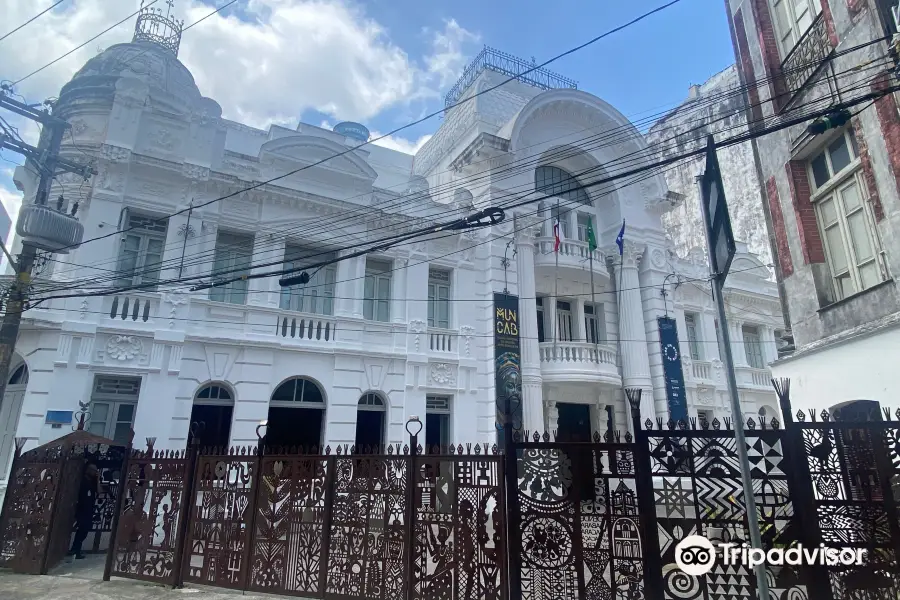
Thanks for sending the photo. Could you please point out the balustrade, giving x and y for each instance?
(137, 309)
(576, 352)
(306, 327)
(702, 370)
(441, 340)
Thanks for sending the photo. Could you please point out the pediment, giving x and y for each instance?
(307, 150)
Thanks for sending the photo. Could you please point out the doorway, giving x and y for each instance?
(574, 423)
(296, 414)
(10, 409)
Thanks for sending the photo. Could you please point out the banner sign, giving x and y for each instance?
(671, 358)
(507, 360)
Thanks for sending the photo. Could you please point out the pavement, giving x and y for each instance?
(83, 580)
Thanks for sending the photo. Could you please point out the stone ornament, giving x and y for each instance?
(123, 347)
(657, 258)
(466, 332)
(705, 396)
(442, 374)
(417, 326)
(195, 172)
(115, 154)
(175, 298)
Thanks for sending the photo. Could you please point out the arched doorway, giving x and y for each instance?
(370, 423)
(10, 409)
(296, 414)
(214, 407)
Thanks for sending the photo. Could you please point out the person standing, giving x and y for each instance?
(84, 511)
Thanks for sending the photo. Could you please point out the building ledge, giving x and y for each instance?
(861, 332)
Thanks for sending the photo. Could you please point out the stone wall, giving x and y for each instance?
(715, 107)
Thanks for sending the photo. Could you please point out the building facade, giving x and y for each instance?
(371, 340)
(718, 107)
(831, 199)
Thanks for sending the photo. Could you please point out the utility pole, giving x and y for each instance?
(40, 226)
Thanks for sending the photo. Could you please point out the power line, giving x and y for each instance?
(195, 259)
(668, 161)
(453, 184)
(408, 125)
(110, 28)
(46, 10)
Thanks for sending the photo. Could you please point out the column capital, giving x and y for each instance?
(632, 254)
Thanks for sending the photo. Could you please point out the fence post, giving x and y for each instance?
(411, 506)
(54, 508)
(120, 499)
(511, 493)
(190, 478)
(330, 476)
(253, 501)
(800, 486)
(643, 479)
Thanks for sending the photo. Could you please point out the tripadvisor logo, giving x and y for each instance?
(696, 555)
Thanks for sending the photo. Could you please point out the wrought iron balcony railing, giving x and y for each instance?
(806, 57)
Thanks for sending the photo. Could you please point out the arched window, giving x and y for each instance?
(370, 415)
(19, 376)
(553, 181)
(296, 414)
(214, 408)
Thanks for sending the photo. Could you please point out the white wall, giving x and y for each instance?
(861, 369)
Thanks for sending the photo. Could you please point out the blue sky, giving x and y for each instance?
(383, 63)
(647, 66)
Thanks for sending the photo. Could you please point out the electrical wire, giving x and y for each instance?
(107, 292)
(46, 10)
(629, 126)
(681, 134)
(413, 123)
(110, 28)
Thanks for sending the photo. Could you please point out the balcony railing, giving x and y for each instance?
(131, 308)
(570, 251)
(806, 57)
(441, 340)
(577, 352)
(702, 370)
(306, 327)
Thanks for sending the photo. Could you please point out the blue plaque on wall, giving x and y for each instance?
(671, 359)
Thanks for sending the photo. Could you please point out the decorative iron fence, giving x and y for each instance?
(593, 520)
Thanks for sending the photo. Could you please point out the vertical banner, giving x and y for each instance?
(671, 359)
(507, 360)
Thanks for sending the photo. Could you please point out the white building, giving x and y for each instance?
(371, 340)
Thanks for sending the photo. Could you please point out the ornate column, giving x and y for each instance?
(737, 343)
(345, 287)
(398, 291)
(580, 330)
(532, 383)
(632, 332)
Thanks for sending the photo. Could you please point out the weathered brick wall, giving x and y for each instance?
(781, 240)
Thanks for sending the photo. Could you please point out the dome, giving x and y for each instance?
(149, 62)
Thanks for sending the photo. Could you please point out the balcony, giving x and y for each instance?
(572, 254)
(702, 370)
(749, 377)
(578, 361)
(806, 58)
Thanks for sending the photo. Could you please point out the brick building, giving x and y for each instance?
(831, 200)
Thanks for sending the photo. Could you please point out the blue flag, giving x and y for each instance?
(620, 239)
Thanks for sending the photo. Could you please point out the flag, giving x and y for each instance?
(620, 239)
(557, 235)
(591, 240)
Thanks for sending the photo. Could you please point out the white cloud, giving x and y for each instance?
(401, 144)
(449, 56)
(284, 57)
